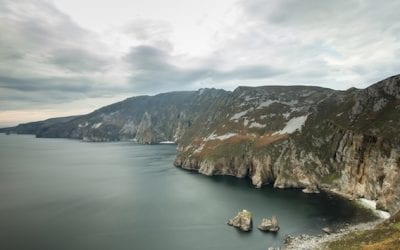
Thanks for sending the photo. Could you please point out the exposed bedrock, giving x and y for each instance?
(357, 166)
(242, 221)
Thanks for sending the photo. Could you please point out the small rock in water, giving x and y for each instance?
(243, 221)
(327, 230)
(269, 225)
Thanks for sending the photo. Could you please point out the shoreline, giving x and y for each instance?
(305, 241)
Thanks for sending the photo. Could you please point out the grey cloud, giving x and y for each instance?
(46, 57)
(41, 22)
(298, 12)
(31, 92)
(14, 100)
(324, 14)
(148, 58)
(77, 60)
(336, 42)
(153, 69)
(46, 84)
(38, 30)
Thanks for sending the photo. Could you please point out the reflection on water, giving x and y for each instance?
(66, 194)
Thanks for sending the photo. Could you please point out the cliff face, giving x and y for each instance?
(145, 119)
(289, 136)
(310, 138)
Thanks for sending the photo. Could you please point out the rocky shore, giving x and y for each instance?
(331, 238)
(306, 242)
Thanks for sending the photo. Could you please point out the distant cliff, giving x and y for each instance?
(36, 127)
(145, 119)
(289, 136)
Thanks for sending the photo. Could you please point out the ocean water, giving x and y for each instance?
(68, 194)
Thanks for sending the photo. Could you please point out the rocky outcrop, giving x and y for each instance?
(269, 225)
(243, 221)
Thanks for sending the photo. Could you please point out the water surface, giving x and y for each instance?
(67, 194)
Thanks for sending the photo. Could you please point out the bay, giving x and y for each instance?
(68, 194)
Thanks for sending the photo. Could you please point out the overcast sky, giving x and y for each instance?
(66, 57)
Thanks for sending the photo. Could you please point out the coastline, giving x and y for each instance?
(306, 242)
(368, 204)
(320, 241)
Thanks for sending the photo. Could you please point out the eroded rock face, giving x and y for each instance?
(243, 221)
(348, 143)
(145, 119)
(269, 225)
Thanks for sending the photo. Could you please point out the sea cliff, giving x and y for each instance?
(304, 137)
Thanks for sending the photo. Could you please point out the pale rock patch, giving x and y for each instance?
(293, 125)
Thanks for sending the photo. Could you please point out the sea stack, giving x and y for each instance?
(243, 221)
(269, 225)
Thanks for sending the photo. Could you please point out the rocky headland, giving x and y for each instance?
(311, 138)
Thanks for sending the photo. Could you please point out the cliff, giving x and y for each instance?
(36, 127)
(145, 119)
(305, 137)
(290, 136)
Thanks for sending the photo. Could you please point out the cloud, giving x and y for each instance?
(48, 58)
(153, 68)
(148, 29)
(43, 52)
(78, 60)
(47, 84)
(36, 27)
(347, 41)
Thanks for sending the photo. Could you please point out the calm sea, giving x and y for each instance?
(67, 194)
